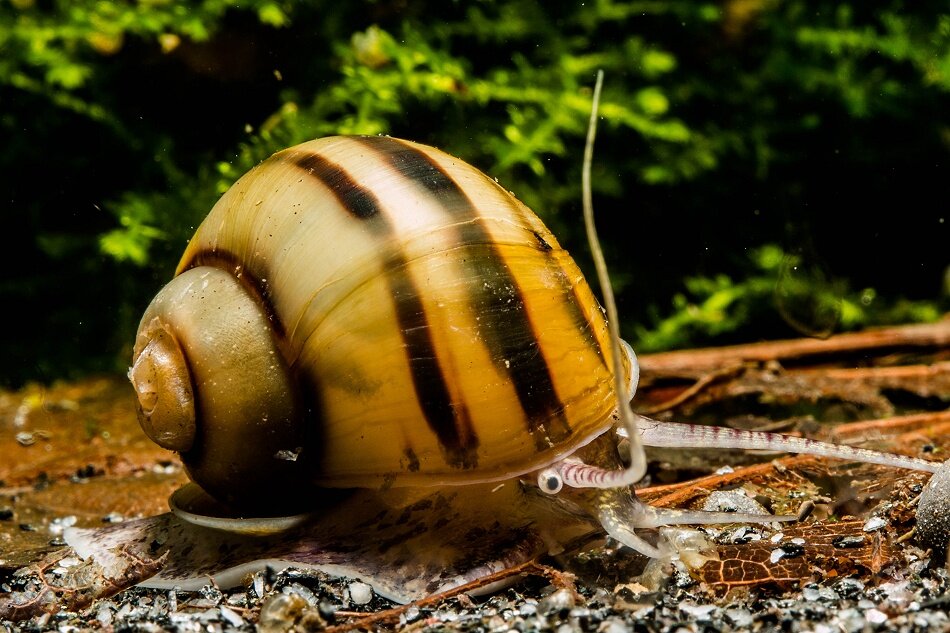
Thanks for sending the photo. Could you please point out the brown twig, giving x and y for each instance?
(698, 362)
(879, 374)
(902, 424)
(675, 495)
(693, 389)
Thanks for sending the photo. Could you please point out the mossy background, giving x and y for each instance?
(784, 164)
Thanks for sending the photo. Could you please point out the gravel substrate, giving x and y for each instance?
(913, 597)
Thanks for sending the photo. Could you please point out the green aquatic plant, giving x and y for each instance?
(724, 126)
(782, 284)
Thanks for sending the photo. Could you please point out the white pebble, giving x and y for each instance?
(777, 555)
(874, 523)
(875, 617)
(360, 592)
(613, 625)
(698, 612)
(740, 618)
(232, 617)
(104, 616)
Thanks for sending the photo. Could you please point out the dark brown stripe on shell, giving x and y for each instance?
(580, 319)
(252, 280)
(449, 421)
(506, 325)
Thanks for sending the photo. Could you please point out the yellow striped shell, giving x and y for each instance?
(371, 312)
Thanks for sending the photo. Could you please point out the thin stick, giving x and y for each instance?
(638, 463)
(698, 361)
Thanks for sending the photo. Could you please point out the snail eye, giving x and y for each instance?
(550, 482)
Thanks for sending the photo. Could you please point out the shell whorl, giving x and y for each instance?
(437, 330)
(205, 341)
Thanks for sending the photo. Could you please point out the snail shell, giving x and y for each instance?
(371, 312)
(933, 514)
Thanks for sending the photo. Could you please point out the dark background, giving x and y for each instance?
(818, 129)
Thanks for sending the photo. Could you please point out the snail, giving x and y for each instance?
(372, 313)
(369, 312)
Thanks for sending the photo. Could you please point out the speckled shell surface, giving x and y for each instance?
(437, 330)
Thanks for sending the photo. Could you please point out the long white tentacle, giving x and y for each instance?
(678, 435)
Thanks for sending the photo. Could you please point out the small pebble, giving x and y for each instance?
(232, 617)
(875, 617)
(6, 513)
(732, 501)
(849, 587)
(560, 600)
(845, 542)
(743, 535)
(698, 612)
(874, 524)
(281, 612)
(360, 592)
(527, 609)
(59, 524)
(739, 618)
(303, 592)
(613, 625)
(104, 616)
(814, 593)
(412, 614)
(793, 549)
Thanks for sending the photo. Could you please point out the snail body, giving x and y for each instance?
(370, 312)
